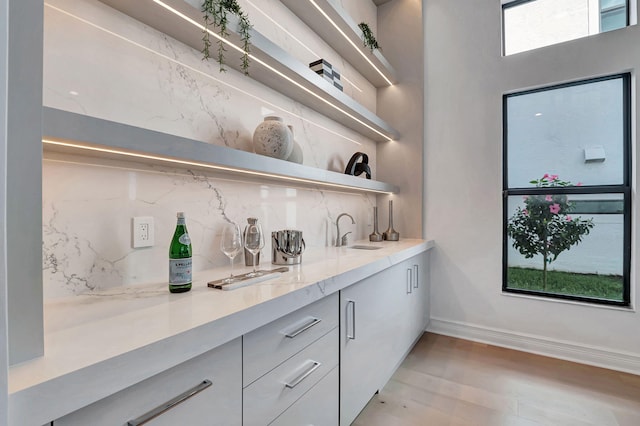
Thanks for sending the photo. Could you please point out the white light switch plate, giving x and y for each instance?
(142, 232)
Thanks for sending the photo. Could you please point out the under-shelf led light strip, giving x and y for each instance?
(297, 40)
(269, 67)
(346, 37)
(204, 165)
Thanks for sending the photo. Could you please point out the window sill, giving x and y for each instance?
(630, 309)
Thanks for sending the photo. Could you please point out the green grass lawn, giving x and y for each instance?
(569, 283)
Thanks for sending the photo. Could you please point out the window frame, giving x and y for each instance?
(624, 189)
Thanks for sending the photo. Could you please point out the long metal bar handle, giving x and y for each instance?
(353, 319)
(305, 327)
(409, 281)
(416, 276)
(161, 409)
(314, 366)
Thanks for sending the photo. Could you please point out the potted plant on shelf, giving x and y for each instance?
(368, 38)
(215, 14)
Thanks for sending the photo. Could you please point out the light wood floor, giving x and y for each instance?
(448, 381)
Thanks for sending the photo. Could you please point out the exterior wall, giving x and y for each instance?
(548, 132)
(550, 21)
(465, 78)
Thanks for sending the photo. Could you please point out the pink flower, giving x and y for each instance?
(569, 218)
(554, 208)
(525, 212)
(579, 184)
(554, 177)
(546, 175)
(548, 198)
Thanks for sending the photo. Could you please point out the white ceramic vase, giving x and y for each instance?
(296, 154)
(273, 139)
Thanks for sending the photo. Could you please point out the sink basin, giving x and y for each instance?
(363, 247)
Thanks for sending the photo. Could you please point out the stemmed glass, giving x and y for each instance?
(253, 242)
(231, 245)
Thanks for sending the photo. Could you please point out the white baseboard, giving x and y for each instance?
(591, 355)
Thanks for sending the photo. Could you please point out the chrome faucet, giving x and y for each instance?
(342, 241)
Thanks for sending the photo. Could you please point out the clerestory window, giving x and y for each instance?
(530, 24)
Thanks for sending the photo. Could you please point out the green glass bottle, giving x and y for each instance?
(180, 258)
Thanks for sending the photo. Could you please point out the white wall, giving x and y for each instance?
(465, 78)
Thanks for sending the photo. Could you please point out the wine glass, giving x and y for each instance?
(254, 242)
(231, 245)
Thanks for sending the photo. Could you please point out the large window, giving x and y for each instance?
(529, 24)
(567, 224)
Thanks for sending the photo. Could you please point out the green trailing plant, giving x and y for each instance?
(544, 226)
(369, 39)
(215, 14)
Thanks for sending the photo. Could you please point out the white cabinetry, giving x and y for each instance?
(217, 375)
(317, 365)
(381, 317)
(279, 389)
(286, 359)
(318, 407)
(270, 345)
(419, 266)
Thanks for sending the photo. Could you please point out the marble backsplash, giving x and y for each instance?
(101, 63)
(88, 205)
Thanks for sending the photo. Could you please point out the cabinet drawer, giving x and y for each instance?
(268, 397)
(218, 404)
(318, 407)
(272, 344)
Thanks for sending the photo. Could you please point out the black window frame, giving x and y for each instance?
(624, 189)
(613, 9)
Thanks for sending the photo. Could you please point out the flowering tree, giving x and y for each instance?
(544, 227)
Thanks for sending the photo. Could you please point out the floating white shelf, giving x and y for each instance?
(321, 15)
(270, 65)
(80, 134)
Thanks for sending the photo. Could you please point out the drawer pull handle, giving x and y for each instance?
(314, 366)
(314, 321)
(161, 409)
(351, 336)
(415, 272)
(409, 281)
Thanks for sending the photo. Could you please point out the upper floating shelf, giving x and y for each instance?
(337, 28)
(270, 64)
(80, 134)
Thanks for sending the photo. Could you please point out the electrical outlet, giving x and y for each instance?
(142, 232)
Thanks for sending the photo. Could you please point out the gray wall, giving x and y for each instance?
(465, 78)
(400, 162)
(4, 353)
(24, 180)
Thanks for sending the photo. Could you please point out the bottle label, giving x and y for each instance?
(180, 271)
(184, 239)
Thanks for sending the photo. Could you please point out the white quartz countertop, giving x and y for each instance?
(100, 343)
